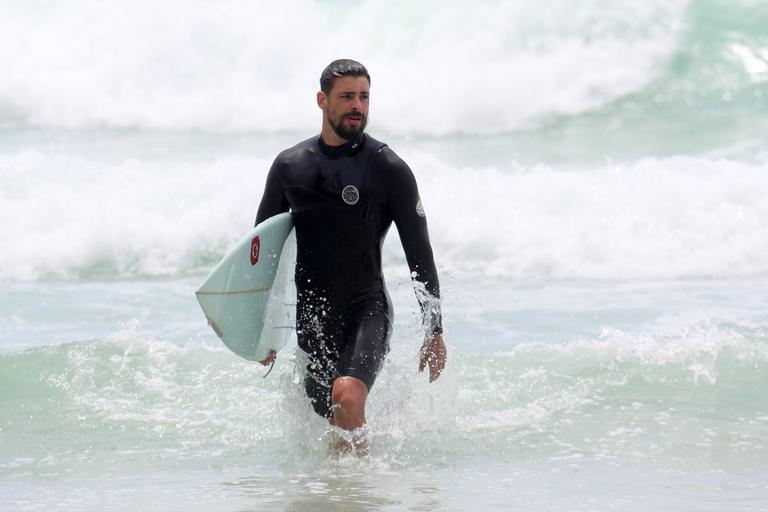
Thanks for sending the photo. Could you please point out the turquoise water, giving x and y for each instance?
(543, 405)
(594, 177)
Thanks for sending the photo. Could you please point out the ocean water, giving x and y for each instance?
(594, 176)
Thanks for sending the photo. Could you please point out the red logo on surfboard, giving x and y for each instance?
(255, 244)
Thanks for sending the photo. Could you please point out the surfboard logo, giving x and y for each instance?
(255, 245)
(350, 195)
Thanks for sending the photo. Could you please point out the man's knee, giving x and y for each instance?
(349, 393)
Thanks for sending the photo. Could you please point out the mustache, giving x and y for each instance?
(357, 115)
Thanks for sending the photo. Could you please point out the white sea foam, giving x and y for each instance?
(655, 218)
(486, 67)
(679, 217)
(66, 215)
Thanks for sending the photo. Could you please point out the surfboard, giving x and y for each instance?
(248, 297)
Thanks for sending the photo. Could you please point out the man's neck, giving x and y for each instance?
(333, 142)
(346, 148)
(330, 138)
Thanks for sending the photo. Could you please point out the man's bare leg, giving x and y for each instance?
(349, 395)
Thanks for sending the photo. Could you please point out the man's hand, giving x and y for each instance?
(270, 358)
(434, 354)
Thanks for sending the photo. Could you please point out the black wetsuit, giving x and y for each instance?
(343, 200)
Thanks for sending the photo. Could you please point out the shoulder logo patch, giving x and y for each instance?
(420, 209)
(350, 194)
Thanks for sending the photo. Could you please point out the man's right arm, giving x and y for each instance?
(273, 201)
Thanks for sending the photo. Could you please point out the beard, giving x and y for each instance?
(349, 132)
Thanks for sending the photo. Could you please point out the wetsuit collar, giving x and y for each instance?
(348, 149)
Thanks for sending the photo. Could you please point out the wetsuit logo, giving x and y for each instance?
(255, 245)
(350, 194)
(420, 209)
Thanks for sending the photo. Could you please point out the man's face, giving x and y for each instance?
(346, 106)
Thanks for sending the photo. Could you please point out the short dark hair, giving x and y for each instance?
(339, 68)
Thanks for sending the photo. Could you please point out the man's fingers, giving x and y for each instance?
(437, 360)
(436, 367)
(434, 355)
(271, 357)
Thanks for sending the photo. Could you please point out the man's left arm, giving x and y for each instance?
(410, 219)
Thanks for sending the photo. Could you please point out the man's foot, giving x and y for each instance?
(355, 443)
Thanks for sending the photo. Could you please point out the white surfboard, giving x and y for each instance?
(249, 296)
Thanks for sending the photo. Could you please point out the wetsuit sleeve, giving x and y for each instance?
(408, 213)
(273, 201)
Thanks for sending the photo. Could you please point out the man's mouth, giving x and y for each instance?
(354, 118)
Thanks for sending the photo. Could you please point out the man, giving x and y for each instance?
(345, 189)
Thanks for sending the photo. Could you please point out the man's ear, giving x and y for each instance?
(322, 99)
